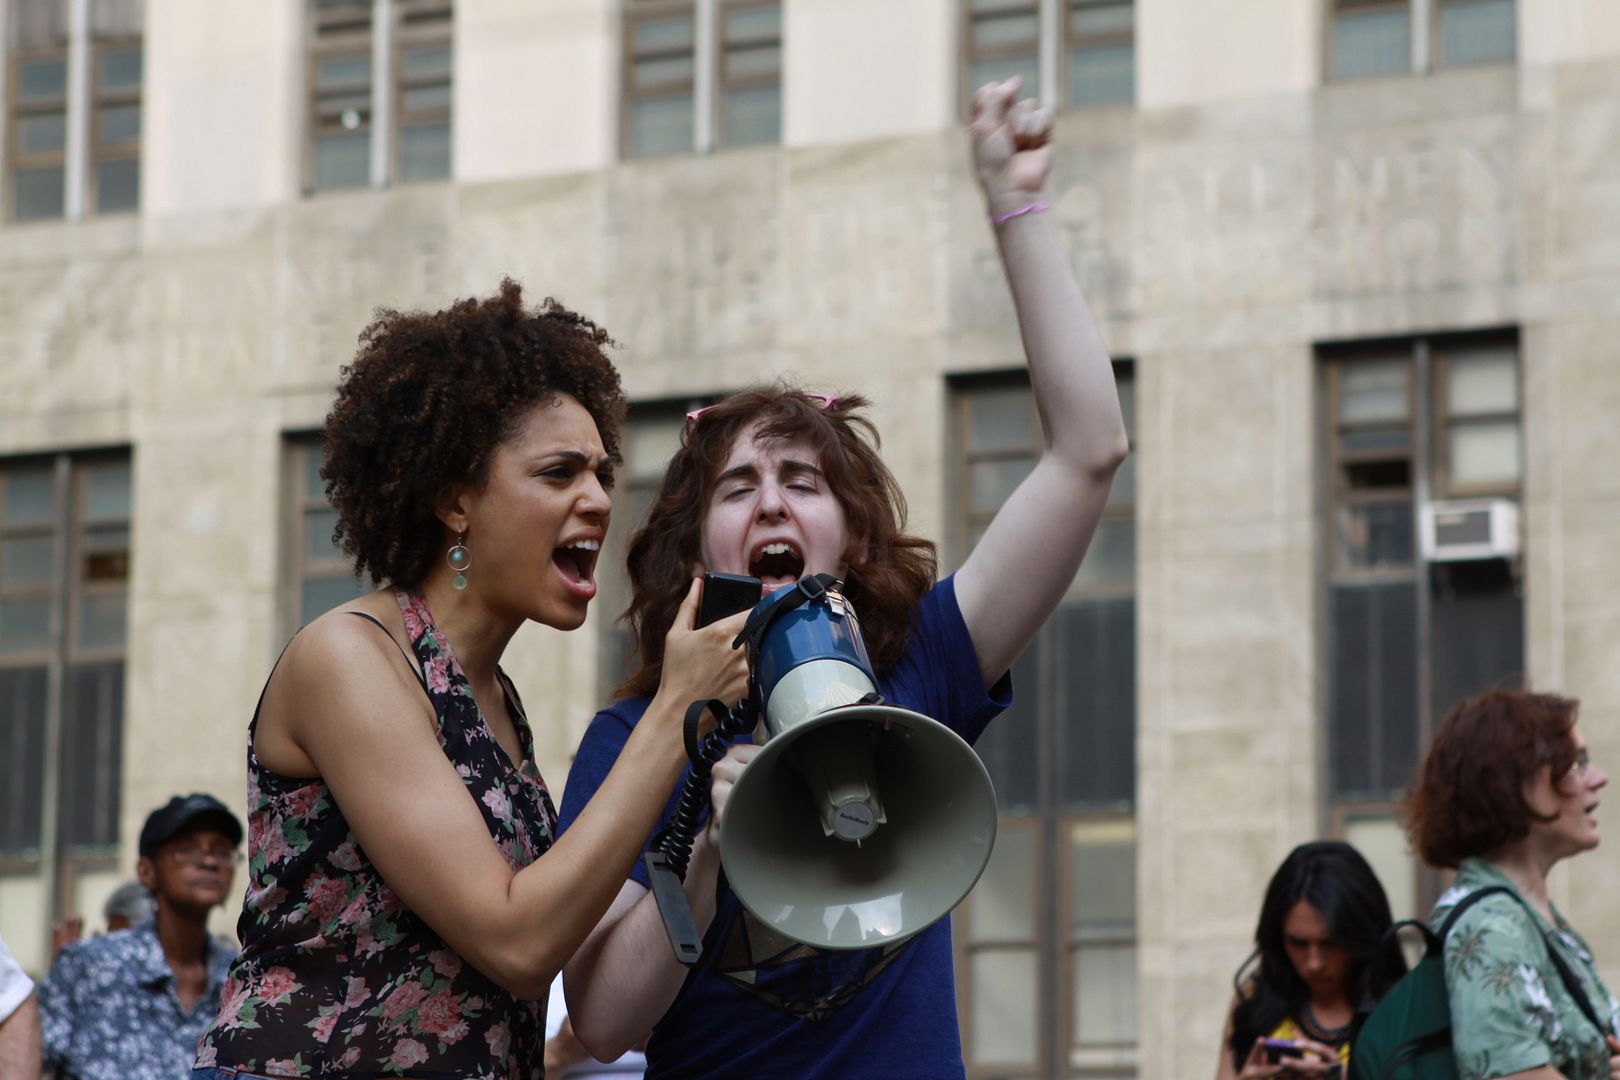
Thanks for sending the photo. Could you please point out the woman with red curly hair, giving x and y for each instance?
(407, 908)
(776, 483)
(1507, 791)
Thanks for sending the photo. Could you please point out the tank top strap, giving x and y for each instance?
(416, 667)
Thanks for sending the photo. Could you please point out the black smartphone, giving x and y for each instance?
(726, 594)
(1279, 1051)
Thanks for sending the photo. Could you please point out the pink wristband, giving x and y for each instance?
(1032, 208)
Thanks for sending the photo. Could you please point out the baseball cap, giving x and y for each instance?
(180, 811)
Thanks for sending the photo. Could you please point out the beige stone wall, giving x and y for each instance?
(1220, 234)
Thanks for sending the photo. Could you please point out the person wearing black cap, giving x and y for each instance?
(133, 1003)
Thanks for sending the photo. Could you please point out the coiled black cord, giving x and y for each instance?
(676, 840)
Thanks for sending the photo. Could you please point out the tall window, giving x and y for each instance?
(380, 83)
(1092, 46)
(319, 577)
(63, 162)
(1047, 941)
(700, 75)
(650, 437)
(64, 573)
(1420, 434)
(1392, 37)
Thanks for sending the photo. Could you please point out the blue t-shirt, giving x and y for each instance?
(759, 1004)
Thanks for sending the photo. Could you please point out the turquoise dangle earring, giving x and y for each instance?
(459, 559)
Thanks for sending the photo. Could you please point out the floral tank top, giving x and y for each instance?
(337, 978)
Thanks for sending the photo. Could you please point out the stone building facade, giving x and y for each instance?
(1290, 265)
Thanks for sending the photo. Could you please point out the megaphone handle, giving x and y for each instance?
(673, 906)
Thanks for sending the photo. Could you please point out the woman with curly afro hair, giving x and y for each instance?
(776, 483)
(407, 908)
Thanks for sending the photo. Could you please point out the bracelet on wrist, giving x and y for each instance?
(1032, 208)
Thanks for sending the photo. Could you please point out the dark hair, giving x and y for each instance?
(1333, 878)
(888, 570)
(1469, 795)
(427, 400)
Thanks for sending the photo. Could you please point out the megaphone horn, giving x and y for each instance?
(858, 823)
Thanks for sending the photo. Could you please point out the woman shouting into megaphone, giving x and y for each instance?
(777, 483)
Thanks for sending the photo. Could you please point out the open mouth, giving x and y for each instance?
(777, 562)
(577, 560)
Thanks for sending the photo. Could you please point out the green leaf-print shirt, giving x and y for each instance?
(1510, 1011)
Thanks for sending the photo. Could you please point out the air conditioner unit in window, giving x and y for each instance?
(1470, 530)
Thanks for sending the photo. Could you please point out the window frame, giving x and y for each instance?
(102, 151)
(725, 82)
(1073, 40)
(637, 12)
(418, 24)
(18, 110)
(337, 33)
(1425, 43)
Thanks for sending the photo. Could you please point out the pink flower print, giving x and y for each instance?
(234, 998)
(366, 944)
(301, 803)
(323, 1025)
(441, 1015)
(465, 772)
(407, 1052)
(499, 1039)
(277, 984)
(346, 857)
(283, 1067)
(350, 1058)
(402, 999)
(207, 1054)
(438, 675)
(327, 896)
(499, 805)
(413, 621)
(358, 992)
(445, 962)
(260, 899)
(276, 848)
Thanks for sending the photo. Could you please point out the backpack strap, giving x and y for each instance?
(1572, 984)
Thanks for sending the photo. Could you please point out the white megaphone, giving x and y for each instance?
(859, 823)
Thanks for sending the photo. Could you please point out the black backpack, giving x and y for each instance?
(1408, 1034)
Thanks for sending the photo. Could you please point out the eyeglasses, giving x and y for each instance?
(824, 402)
(197, 855)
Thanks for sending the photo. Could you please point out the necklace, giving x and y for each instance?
(1319, 1031)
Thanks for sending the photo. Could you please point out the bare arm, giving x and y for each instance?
(1028, 557)
(625, 975)
(368, 731)
(20, 1050)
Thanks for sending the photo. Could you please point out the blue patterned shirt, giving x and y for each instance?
(108, 1009)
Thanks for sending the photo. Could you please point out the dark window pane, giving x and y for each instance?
(1478, 632)
(1110, 561)
(42, 80)
(424, 152)
(424, 63)
(1371, 43)
(1095, 702)
(342, 161)
(120, 123)
(661, 126)
(753, 116)
(343, 71)
(754, 23)
(995, 69)
(1372, 689)
(314, 457)
(660, 34)
(26, 560)
(320, 595)
(42, 133)
(1375, 536)
(118, 186)
(29, 496)
(24, 625)
(92, 746)
(430, 96)
(107, 489)
(1476, 32)
(22, 760)
(103, 618)
(1008, 746)
(1102, 74)
(121, 69)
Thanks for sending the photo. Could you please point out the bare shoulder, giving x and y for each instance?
(339, 672)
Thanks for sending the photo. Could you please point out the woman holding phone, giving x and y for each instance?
(1319, 941)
